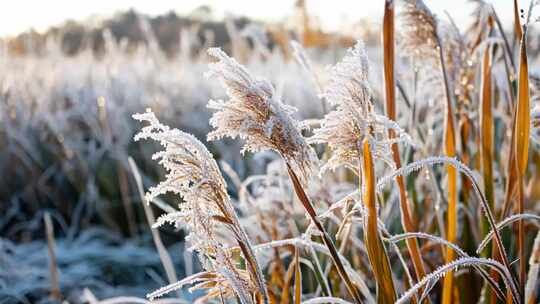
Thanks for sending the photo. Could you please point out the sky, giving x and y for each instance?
(19, 15)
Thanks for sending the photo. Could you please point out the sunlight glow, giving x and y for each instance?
(20, 15)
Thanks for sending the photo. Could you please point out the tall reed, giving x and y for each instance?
(390, 102)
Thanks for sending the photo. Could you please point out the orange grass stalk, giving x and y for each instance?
(450, 151)
(522, 132)
(386, 293)
(389, 81)
(487, 152)
(486, 133)
(297, 278)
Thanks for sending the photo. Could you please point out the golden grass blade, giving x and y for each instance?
(486, 154)
(297, 278)
(389, 81)
(378, 257)
(389, 60)
(486, 133)
(511, 172)
(285, 293)
(523, 117)
(450, 151)
(522, 132)
(308, 206)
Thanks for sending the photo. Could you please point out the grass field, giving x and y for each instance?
(399, 172)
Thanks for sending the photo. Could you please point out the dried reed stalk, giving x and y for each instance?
(522, 132)
(53, 265)
(389, 77)
(380, 264)
(297, 277)
(486, 132)
(487, 152)
(450, 151)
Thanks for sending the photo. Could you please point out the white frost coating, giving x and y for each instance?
(169, 218)
(454, 265)
(469, 174)
(426, 162)
(460, 252)
(174, 286)
(324, 300)
(422, 235)
(507, 221)
(237, 285)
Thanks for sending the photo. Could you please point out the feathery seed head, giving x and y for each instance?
(419, 30)
(348, 87)
(255, 114)
(193, 174)
(354, 118)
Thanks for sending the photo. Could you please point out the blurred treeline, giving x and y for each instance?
(75, 36)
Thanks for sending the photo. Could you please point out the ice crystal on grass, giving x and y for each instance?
(255, 114)
(440, 272)
(354, 117)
